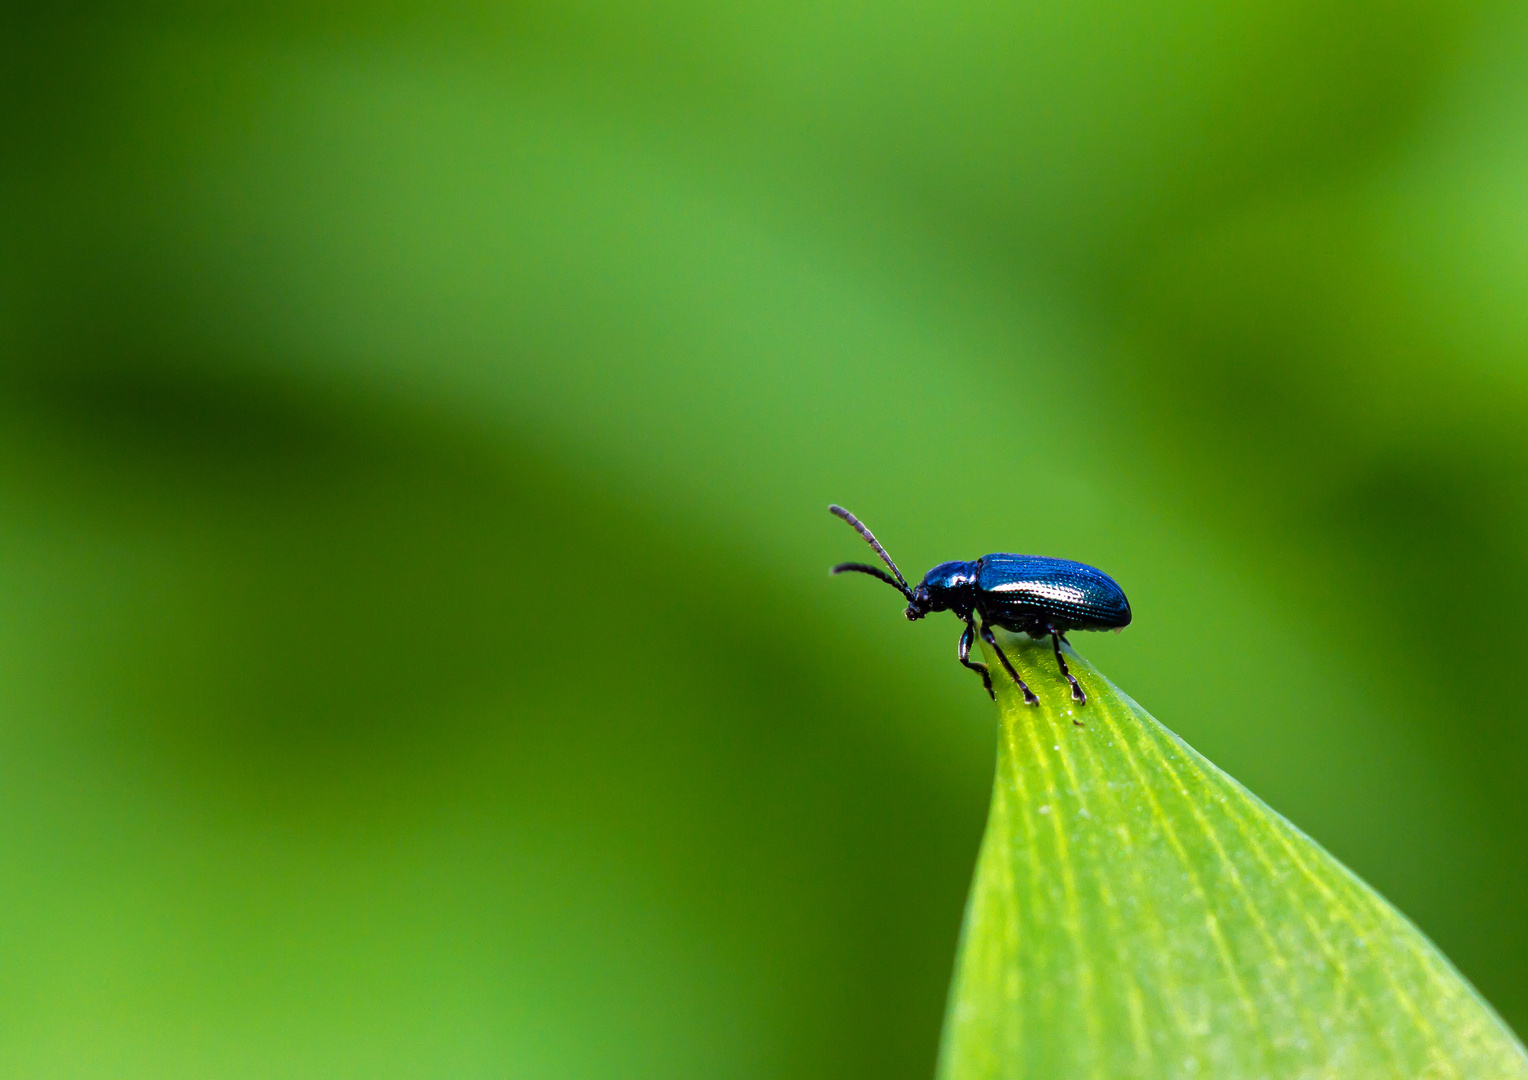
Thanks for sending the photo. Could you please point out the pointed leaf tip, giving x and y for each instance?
(1138, 913)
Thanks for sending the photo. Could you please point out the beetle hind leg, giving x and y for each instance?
(963, 654)
(1029, 695)
(1077, 692)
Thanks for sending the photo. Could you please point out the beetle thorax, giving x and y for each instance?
(950, 586)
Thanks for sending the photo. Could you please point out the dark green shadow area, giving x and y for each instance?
(313, 695)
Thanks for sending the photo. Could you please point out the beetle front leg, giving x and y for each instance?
(1029, 696)
(963, 653)
(1077, 694)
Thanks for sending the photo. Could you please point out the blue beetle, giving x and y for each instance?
(1027, 594)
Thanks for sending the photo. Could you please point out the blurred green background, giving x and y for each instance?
(418, 657)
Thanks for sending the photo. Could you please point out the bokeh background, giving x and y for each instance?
(416, 422)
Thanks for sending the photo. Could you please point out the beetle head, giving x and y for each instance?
(947, 587)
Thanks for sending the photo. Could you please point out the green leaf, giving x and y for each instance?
(1138, 913)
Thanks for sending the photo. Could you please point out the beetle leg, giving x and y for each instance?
(1077, 694)
(963, 653)
(1029, 696)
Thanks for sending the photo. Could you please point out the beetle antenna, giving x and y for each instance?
(873, 571)
(901, 583)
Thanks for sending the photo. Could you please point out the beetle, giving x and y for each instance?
(1027, 594)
